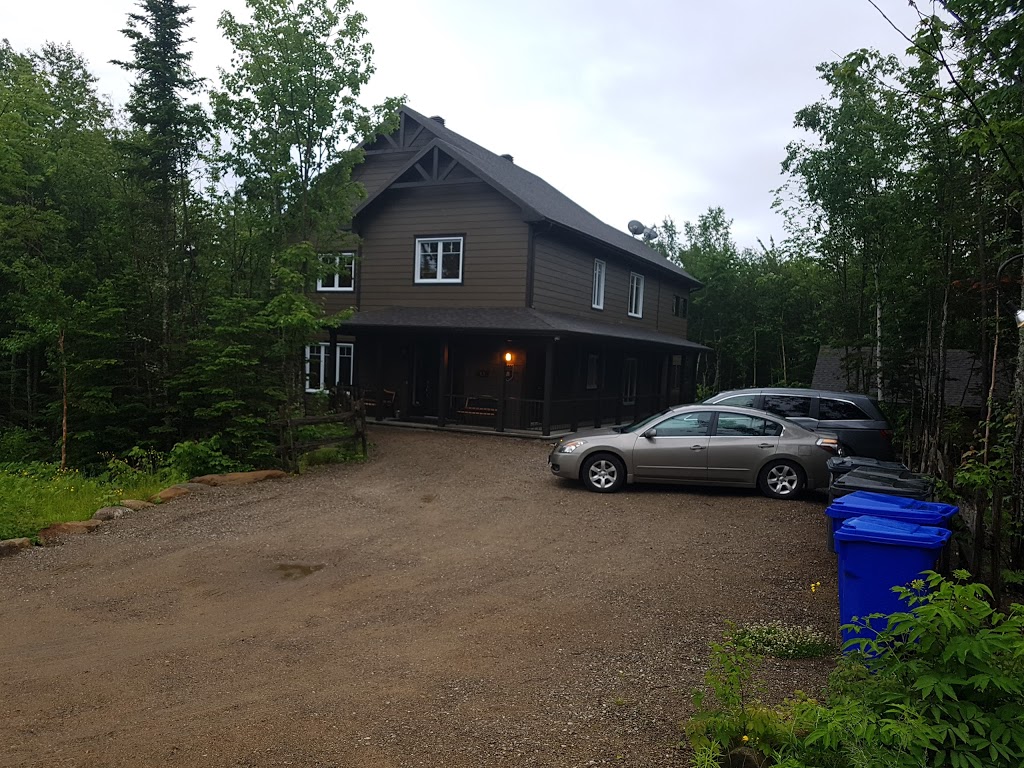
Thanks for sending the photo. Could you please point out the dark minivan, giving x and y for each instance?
(862, 428)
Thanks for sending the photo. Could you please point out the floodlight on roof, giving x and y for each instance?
(636, 228)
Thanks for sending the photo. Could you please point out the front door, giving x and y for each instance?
(676, 450)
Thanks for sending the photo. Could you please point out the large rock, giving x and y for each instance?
(13, 546)
(177, 491)
(240, 478)
(136, 504)
(51, 535)
(111, 513)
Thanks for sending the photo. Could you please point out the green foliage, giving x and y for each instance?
(785, 641)
(193, 458)
(35, 495)
(942, 685)
(18, 445)
(977, 474)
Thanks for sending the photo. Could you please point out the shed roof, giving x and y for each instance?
(519, 320)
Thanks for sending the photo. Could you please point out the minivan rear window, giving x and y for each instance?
(739, 401)
(788, 405)
(830, 409)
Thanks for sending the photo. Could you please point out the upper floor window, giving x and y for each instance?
(438, 259)
(342, 276)
(636, 295)
(598, 298)
(679, 306)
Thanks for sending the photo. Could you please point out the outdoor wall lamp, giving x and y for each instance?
(508, 357)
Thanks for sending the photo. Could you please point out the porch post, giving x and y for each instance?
(500, 415)
(442, 382)
(549, 380)
(577, 390)
(332, 367)
(379, 373)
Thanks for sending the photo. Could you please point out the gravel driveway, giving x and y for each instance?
(449, 603)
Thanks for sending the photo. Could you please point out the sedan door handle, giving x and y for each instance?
(697, 447)
(766, 445)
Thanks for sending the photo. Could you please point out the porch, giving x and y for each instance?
(515, 370)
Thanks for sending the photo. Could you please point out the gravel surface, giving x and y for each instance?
(448, 603)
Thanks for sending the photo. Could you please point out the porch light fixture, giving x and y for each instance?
(508, 357)
(1019, 315)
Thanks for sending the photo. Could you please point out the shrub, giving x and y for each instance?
(942, 685)
(203, 457)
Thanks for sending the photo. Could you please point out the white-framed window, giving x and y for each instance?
(636, 295)
(629, 381)
(343, 272)
(598, 298)
(438, 259)
(317, 371)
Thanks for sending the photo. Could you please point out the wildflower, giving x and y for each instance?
(814, 586)
(745, 739)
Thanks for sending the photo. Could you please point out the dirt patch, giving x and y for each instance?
(449, 603)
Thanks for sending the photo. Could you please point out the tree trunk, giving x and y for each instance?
(878, 331)
(64, 402)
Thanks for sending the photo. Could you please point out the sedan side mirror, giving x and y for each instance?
(651, 433)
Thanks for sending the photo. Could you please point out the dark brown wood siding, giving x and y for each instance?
(564, 282)
(494, 247)
(376, 170)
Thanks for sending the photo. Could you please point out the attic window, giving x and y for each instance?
(438, 260)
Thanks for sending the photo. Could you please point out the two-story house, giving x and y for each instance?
(487, 297)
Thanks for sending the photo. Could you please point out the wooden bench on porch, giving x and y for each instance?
(370, 402)
(478, 409)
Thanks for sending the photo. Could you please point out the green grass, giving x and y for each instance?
(33, 496)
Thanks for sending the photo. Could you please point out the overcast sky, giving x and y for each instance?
(640, 109)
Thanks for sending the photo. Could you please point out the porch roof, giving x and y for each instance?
(508, 320)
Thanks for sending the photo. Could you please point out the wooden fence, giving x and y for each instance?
(290, 448)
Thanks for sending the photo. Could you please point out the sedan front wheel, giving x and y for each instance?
(603, 473)
(781, 480)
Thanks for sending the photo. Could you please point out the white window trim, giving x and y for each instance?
(636, 308)
(597, 295)
(440, 259)
(324, 345)
(350, 258)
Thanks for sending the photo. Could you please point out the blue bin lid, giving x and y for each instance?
(887, 505)
(893, 507)
(880, 530)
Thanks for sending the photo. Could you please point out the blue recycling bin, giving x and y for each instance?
(875, 555)
(885, 505)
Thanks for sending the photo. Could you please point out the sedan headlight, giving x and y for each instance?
(571, 446)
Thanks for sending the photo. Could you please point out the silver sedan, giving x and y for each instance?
(700, 445)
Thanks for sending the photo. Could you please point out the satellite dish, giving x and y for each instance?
(635, 227)
(650, 233)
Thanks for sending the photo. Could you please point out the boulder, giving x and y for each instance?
(13, 546)
(135, 504)
(110, 513)
(49, 536)
(240, 478)
(177, 491)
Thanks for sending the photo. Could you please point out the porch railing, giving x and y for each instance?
(527, 414)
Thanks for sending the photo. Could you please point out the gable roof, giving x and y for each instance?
(538, 199)
(836, 369)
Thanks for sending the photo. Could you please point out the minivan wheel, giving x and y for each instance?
(781, 480)
(603, 473)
